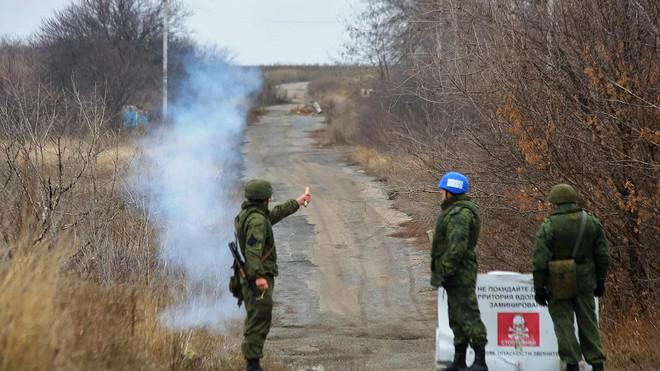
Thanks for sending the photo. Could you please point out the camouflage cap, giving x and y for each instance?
(258, 189)
(562, 194)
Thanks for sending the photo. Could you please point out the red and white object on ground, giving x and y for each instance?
(521, 336)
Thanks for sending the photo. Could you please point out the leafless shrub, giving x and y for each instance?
(521, 95)
(56, 321)
(80, 285)
(61, 167)
(111, 45)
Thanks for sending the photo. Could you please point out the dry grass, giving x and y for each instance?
(52, 320)
(340, 119)
(283, 74)
(81, 287)
(89, 295)
(630, 339)
(339, 92)
(119, 154)
(375, 162)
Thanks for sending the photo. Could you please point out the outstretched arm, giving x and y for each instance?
(281, 211)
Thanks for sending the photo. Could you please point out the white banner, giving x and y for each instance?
(521, 336)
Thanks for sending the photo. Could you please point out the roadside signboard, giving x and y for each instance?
(521, 336)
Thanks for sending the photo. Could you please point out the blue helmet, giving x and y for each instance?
(454, 182)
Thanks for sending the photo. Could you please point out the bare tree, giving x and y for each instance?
(377, 34)
(108, 45)
(521, 95)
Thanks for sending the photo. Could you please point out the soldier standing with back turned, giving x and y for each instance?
(254, 229)
(570, 266)
(454, 267)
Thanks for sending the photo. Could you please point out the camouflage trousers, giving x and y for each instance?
(583, 308)
(464, 317)
(257, 321)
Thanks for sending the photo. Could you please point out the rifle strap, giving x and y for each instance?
(264, 256)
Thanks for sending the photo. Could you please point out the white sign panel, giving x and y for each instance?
(521, 336)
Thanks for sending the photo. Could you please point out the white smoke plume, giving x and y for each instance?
(187, 174)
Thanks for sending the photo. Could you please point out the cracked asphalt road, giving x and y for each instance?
(349, 296)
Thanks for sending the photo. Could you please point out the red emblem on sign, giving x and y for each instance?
(518, 330)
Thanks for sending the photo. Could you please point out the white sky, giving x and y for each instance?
(256, 31)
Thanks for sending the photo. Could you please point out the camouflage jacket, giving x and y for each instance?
(555, 240)
(254, 229)
(453, 259)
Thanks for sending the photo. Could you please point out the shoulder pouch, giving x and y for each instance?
(562, 274)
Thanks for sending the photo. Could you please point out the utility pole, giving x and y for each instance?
(165, 33)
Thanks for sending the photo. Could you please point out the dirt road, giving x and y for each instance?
(349, 297)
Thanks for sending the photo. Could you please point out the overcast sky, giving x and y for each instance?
(257, 31)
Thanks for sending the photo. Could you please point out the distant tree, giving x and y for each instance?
(378, 35)
(112, 46)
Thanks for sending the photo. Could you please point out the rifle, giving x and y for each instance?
(239, 273)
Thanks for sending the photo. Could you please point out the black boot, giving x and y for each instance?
(571, 367)
(253, 365)
(597, 367)
(459, 359)
(479, 359)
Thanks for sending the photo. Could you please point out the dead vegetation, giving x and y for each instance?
(81, 285)
(337, 92)
(519, 96)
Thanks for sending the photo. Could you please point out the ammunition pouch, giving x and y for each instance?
(562, 279)
(236, 288)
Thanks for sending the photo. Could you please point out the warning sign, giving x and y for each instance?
(520, 332)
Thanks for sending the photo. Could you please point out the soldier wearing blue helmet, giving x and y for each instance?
(454, 267)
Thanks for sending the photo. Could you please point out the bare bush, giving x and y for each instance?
(55, 321)
(62, 168)
(521, 95)
(80, 284)
(111, 45)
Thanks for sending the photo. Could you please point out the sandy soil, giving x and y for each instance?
(349, 296)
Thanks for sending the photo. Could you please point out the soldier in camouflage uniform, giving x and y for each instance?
(254, 229)
(555, 240)
(454, 267)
